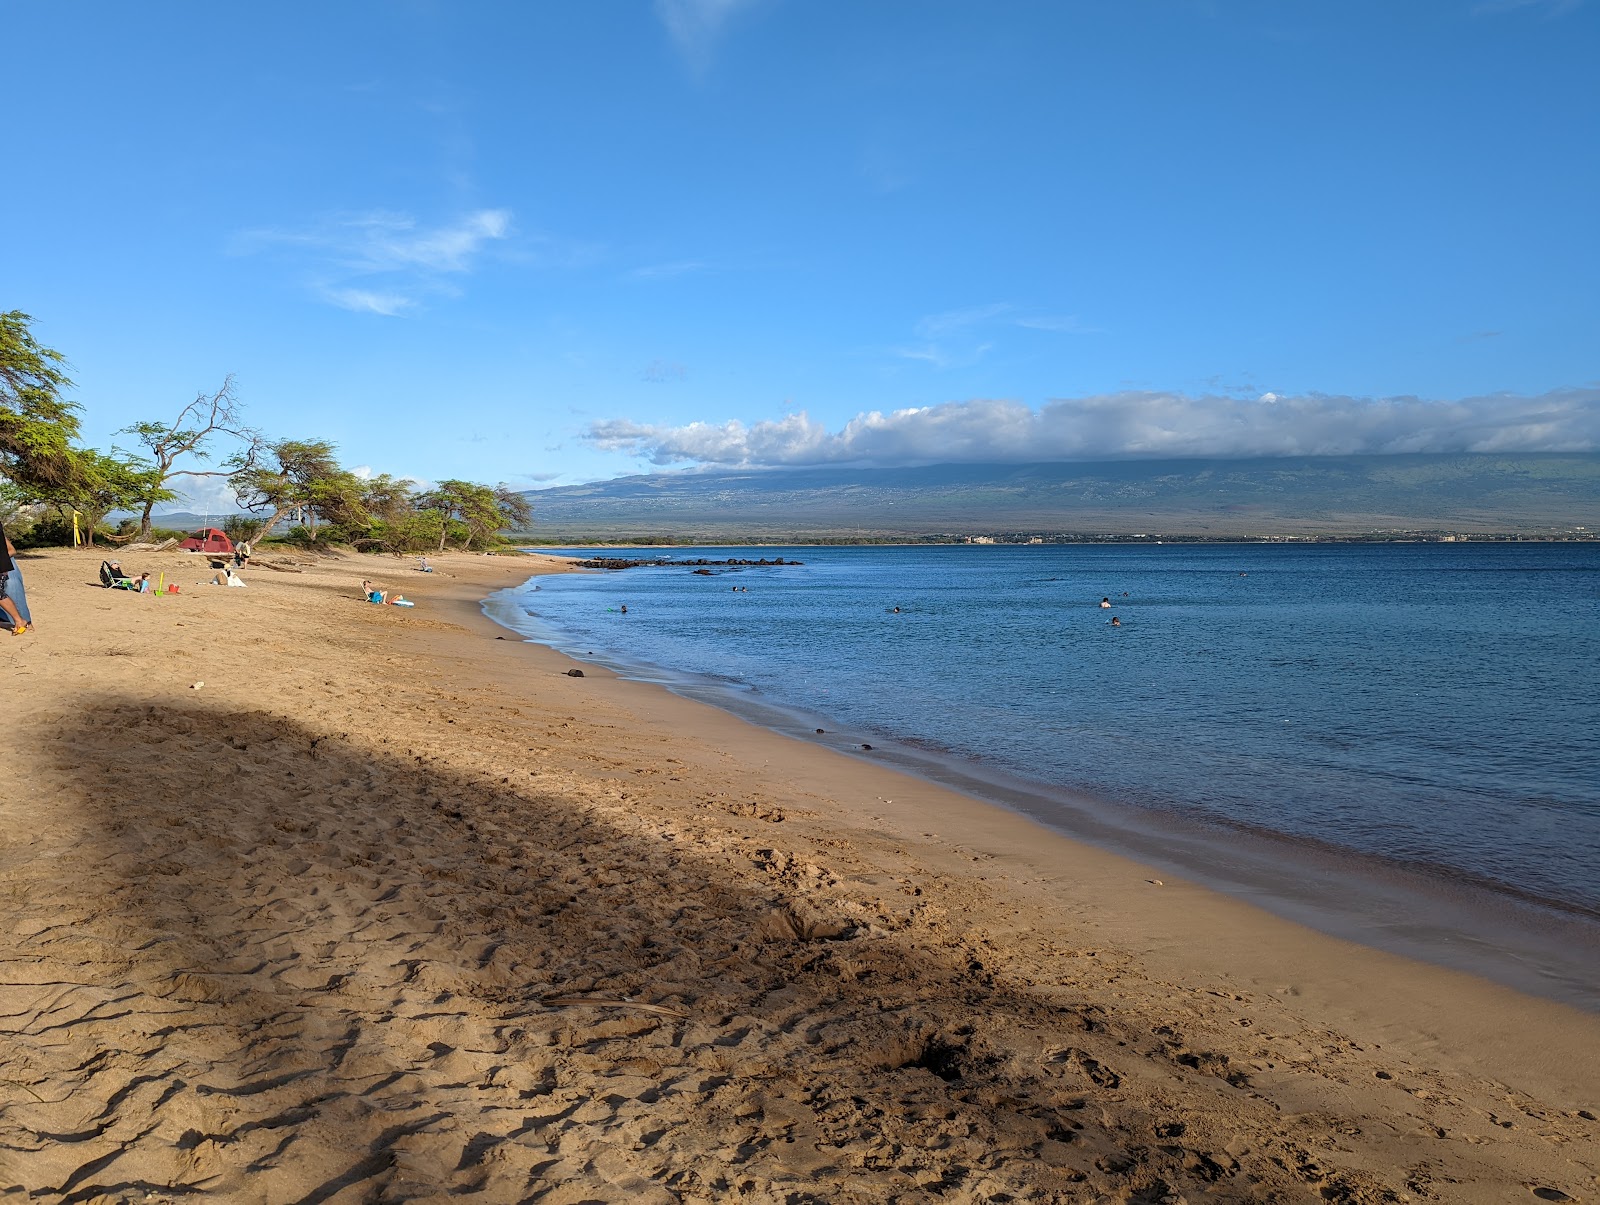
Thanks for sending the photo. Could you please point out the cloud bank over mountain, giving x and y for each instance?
(1143, 425)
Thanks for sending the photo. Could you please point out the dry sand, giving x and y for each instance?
(391, 909)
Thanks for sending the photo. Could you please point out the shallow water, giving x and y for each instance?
(1428, 707)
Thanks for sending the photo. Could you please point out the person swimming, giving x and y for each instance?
(1115, 622)
(1105, 602)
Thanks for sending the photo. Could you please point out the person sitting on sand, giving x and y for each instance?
(371, 592)
(424, 566)
(226, 578)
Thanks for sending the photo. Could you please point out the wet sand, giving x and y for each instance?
(391, 908)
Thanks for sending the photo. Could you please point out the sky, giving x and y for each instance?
(546, 243)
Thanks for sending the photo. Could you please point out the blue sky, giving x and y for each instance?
(556, 242)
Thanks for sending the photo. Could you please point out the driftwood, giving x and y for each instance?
(280, 567)
(665, 1010)
(170, 542)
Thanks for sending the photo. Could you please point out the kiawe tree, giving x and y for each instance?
(296, 474)
(474, 512)
(190, 434)
(37, 426)
(96, 484)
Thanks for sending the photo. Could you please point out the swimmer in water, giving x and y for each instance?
(1115, 622)
(1105, 602)
(624, 608)
(896, 611)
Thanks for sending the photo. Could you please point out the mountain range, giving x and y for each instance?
(1546, 494)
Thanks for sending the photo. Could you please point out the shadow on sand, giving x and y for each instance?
(322, 973)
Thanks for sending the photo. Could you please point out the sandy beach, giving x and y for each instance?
(312, 900)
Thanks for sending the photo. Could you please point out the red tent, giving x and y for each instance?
(208, 539)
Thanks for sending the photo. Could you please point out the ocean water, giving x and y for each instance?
(1426, 716)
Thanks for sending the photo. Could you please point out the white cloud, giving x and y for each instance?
(1130, 425)
(1061, 324)
(696, 25)
(365, 300)
(383, 262)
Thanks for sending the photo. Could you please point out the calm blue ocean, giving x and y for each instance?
(1435, 706)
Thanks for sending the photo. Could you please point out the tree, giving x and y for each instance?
(476, 512)
(98, 484)
(209, 415)
(516, 512)
(296, 474)
(36, 425)
(388, 499)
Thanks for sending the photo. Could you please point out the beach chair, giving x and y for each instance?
(113, 578)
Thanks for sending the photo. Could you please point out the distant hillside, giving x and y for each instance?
(1533, 494)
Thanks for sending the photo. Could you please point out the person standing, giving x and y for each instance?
(8, 573)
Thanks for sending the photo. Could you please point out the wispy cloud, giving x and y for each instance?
(952, 339)
(696, 26)
(381, 261)
(682, 267)
(1130, 425)
(1060, 324)
(390, 305)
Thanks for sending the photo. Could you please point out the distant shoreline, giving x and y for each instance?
(815, 540)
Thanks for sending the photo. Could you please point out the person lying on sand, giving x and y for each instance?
(371, 592)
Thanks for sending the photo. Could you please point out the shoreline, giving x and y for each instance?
(1450, 919)
(358, 876)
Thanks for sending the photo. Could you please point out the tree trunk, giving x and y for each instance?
(270, 524)
(144, 521)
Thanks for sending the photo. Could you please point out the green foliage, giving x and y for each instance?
(298, 475)
(37, 426)
(48, 531)
(473, 515)
(96, 484)
(242, 527)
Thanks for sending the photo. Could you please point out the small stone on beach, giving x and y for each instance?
(574, 673)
